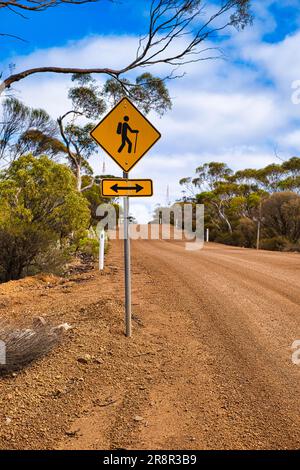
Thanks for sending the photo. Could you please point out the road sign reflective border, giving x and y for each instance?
(118, 187)
(125, 134)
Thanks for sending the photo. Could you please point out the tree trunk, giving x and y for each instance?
(228, 224)
(223, 217)
(78, 178)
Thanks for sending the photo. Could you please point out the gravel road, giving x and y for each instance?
(209, 365)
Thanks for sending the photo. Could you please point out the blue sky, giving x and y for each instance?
(237, 110)
(57, 26)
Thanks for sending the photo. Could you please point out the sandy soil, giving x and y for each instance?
(209, 365)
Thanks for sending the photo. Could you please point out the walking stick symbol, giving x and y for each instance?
(136, 139)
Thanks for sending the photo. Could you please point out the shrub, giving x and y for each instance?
(227, 238)
(274, 244)
(246, 233)
(25, 345)
(281, 216)
(88, 247)
(40, 211)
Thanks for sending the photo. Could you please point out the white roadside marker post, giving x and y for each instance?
(207, 235)
(101, 249)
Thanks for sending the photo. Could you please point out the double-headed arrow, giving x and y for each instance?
(126, 188)
(137, 188)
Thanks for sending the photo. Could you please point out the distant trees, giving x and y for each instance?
(40, 212)
(281, 212)
(274, 177)
(238, 203)
(26, 130)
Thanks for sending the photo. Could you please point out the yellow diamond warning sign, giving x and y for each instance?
(125, 134)
(124, 187)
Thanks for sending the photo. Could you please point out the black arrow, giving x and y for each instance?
(137, 188)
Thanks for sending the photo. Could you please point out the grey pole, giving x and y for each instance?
(127, 265)
(259, 227)
(258, 235)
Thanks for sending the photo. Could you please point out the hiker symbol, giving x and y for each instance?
(123, 129)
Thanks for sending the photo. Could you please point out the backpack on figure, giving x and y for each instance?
(119, 128)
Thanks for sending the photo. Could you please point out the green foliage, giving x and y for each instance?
(274, 244)
(39, 143)
(246, 233)
(86, 97)
(242, 16)
(210, 174)
(149, 93)
(281, 214)
(40, 209)
(83, 144)
(27, 130)
(93, 196)
(88, 247)
(235, 203)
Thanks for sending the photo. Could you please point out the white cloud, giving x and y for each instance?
(277, 61)
(291, 139)
(93, 51)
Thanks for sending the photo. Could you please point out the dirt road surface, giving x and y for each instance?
(209, 365)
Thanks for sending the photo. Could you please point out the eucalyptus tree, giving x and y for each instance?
(251, 207)
(26, 130)
(291, 181)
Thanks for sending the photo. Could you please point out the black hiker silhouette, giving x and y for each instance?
(123, 128)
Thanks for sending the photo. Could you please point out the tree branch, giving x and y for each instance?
(62, 70)
(170, 21)
(13, 36)
(40, 5)
(89, 186)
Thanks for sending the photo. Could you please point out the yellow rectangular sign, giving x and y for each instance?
(125, 134)
(123, 187)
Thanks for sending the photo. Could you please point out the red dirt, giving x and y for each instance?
(209, 365)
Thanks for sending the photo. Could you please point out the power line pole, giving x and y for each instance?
(259, 226)
(168, 196)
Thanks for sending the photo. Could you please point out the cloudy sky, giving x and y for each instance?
(238, 109)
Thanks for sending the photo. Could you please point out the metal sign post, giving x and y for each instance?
(126, 135)
(127, 262)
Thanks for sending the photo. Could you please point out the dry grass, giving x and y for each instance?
(24, 345)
